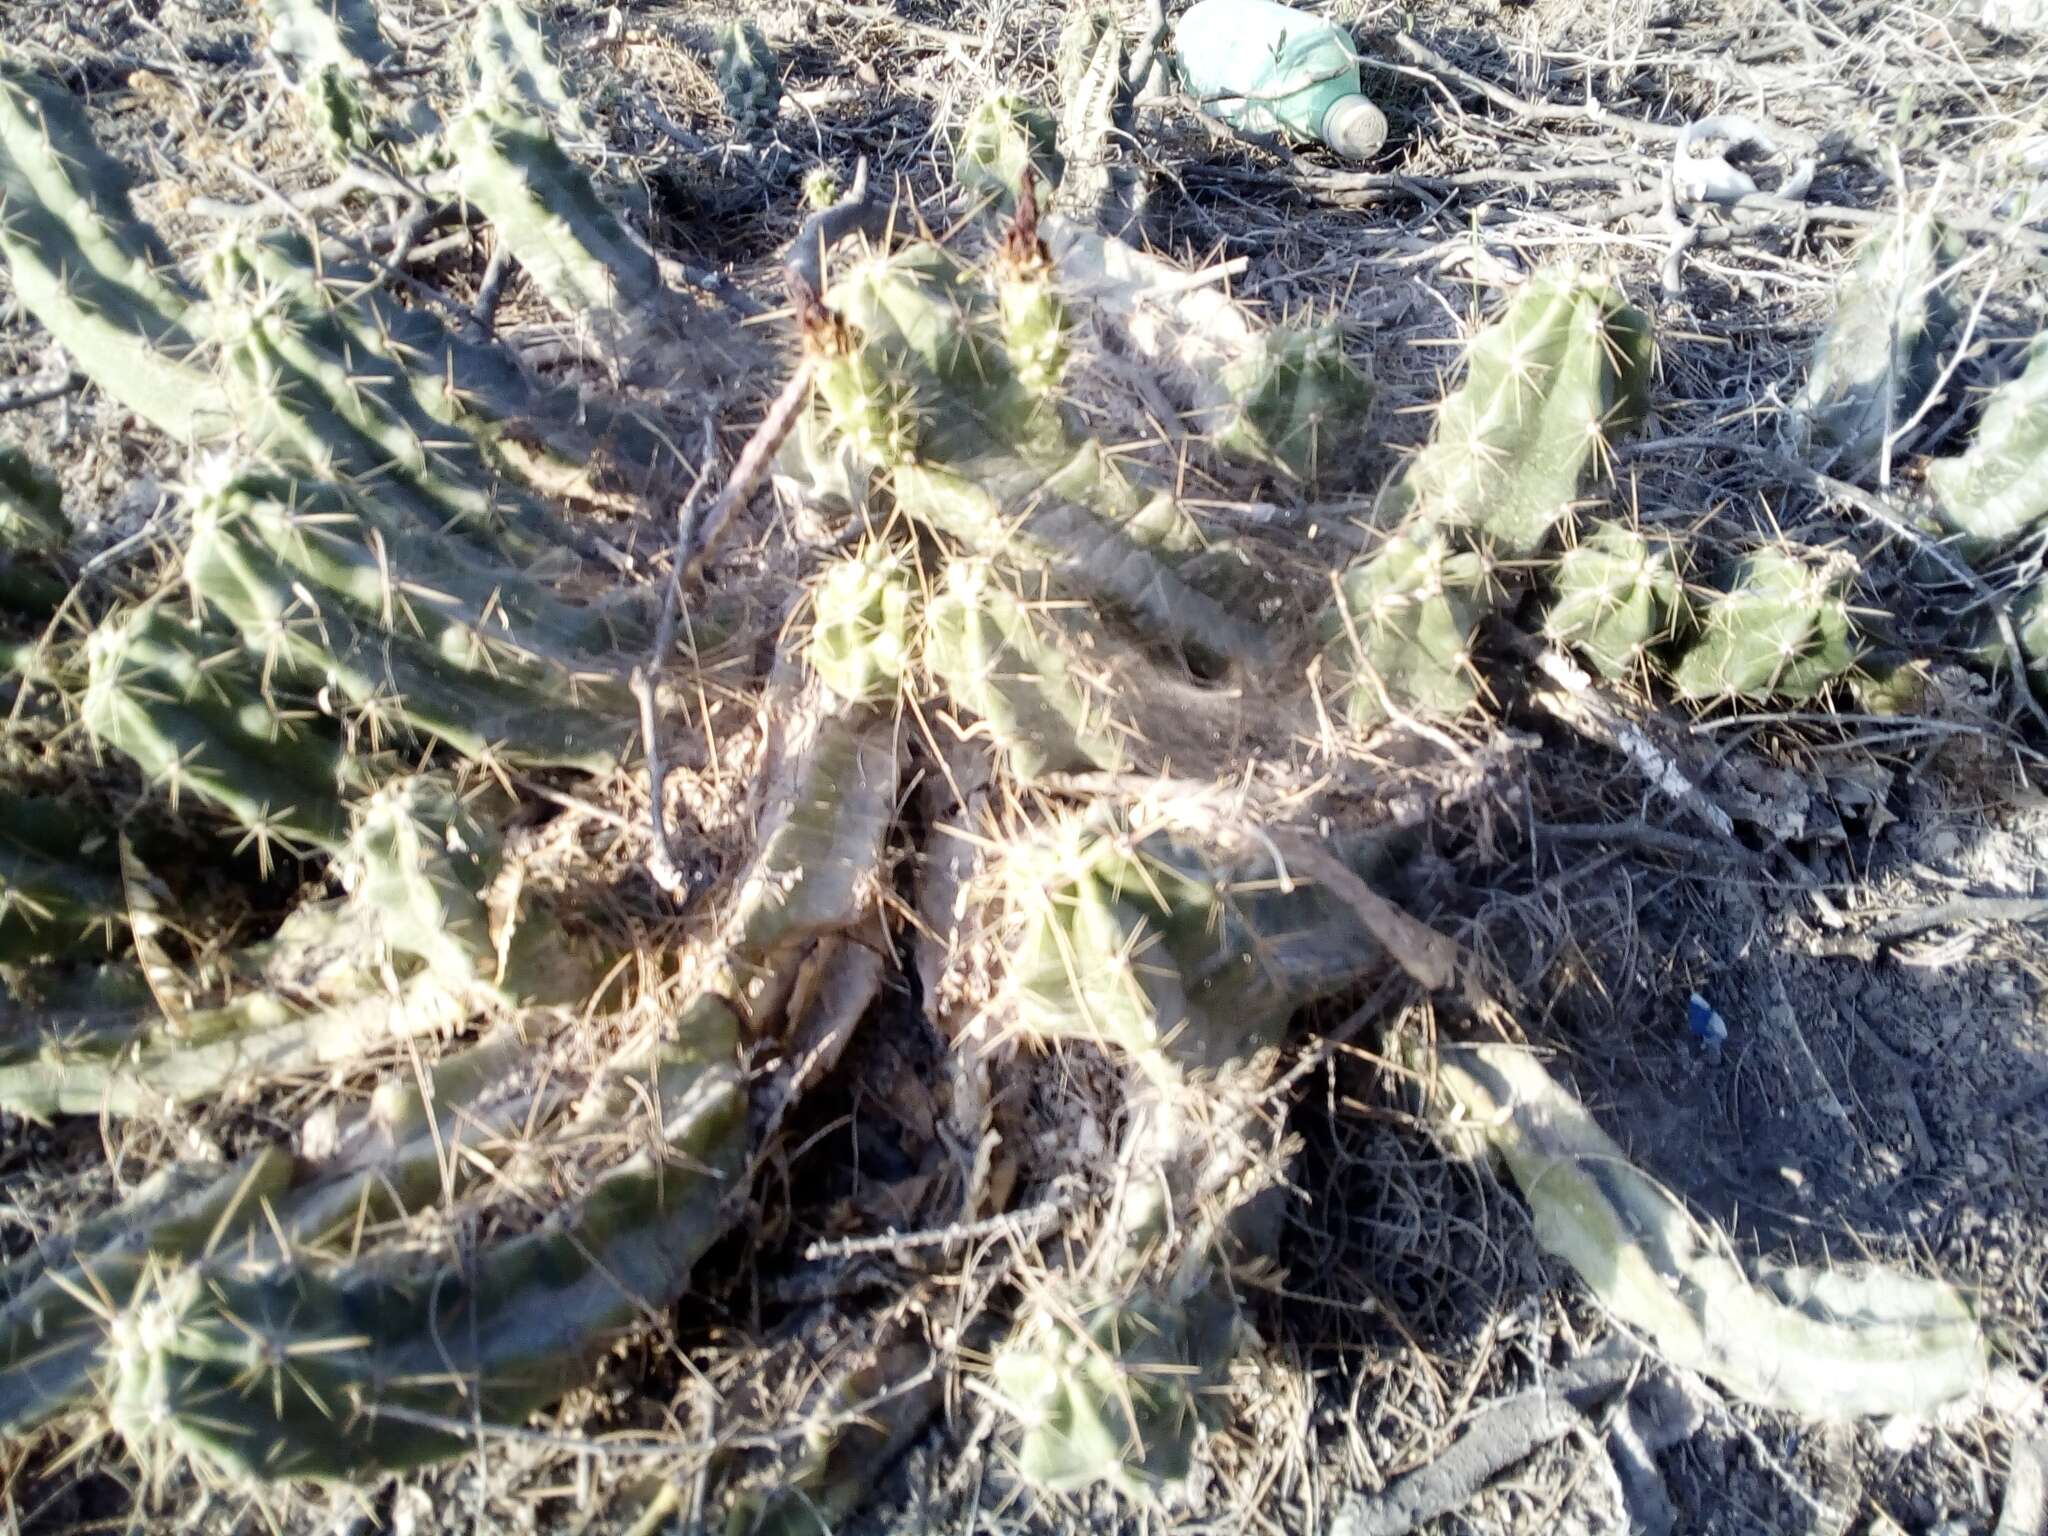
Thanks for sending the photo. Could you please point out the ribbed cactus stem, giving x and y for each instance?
(1618, 596)
(1033, 319)
(1401, 632)
(32, 517)
(60, 882)
(57, 1298)
(1781, 630)
(330, 50)
(94, 274)
(282, 1372)
(551, 218)
(512, 62)
(1299, 404)
(1001, 661)
(1005, 135)
(1873, 365)
(483, 661)
(861, 640)
(1548, 386)
(749, 77)
(1113, 1392)
(1997, 488)
(194, 714)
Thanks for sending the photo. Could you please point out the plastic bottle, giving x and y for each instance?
(1267, 68)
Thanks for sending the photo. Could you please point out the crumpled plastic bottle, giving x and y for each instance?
(1267, 68)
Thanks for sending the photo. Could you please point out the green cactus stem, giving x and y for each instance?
(1114, 1392)
(293, 1371)
(1876, 361)
(1187, 958)
(60, 882)
(1548, 386)
(32, 520)
(1827, 1344)
(1030, 316)
(830, 801)
(749, 77)
(1617, 598)
(329, 50)
(1781, 630)
(194, 714)
(511, 62)
(93, 273)
(1300, 404)
(307, 580)
(58, 1297)
(1005, 135)
(550, 217)
(861, 641)
(1007, 662)
(1997, 488)
(1401, 632)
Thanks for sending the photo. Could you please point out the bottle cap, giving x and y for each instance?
(1354, 127)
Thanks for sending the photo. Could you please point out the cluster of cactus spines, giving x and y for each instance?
(1875, 363)
(1295, 401)
(92, 272)
(193, 713)
(749, 77)
(480, 660)
(1011, 667)
(862, 636)
(1004, 136)
(511, 61)
(1997, 487)
(56, 1300)
(1185, 958)
(329, 49)
(545, 209)
(60, 882)
(1030, 315)
(1115, 1393)
(1401, 632)
(1564, 371)
(1617, 597)
(1781, 630)
(291, 1370)
(32, 520)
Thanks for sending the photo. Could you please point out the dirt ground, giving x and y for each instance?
(1882, 1093)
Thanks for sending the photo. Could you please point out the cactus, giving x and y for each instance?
(195, 716)
(1547, 386)
(1876, 361)
(749, 78)
(329, 50)
(60, 883)
(1296, 399)
(409, 952)
(1401, 632)
(1617, 598)
(1115, 1392)
(478, 658)
(1001, 660)
(1184, 958)
(32, 518)
(1781, 630)
(52, 1315)
(549, 215)
(1997, 488)
(283, 1372)
(1031, 318)
(1004, 136)
(828, 808)
(861, 641)
(92, 272)
(510, 62)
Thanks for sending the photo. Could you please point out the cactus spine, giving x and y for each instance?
(1997, 488)
(749, 78)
